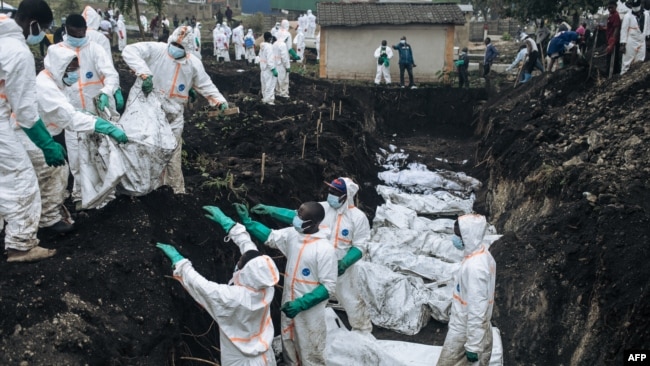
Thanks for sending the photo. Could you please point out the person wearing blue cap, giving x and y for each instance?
(350, 232)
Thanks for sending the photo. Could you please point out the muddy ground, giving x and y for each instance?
(572, 282)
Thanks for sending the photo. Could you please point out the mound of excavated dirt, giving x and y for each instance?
(567, 160)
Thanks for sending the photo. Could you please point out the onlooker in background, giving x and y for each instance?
(155, 28)
(462, 65)
(193, 21)
(533, 56)
(46, 42)
(632, 36)
(175, 21)
(165, 23)
(228, 14)
(543, 36)
(219, 16)
(406, 62)
(491, 53)
(581, 36)
(383, 54)
(613, 36)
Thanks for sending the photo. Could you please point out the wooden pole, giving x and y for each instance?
(304, 142)
(340, 106)
(263, 164)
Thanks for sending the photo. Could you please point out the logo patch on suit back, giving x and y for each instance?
(181, 87)
(89, 75)
(306, 272)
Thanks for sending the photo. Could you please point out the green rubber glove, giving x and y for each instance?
(147, 85)
(294, 54)
(170, 252)
(288, 70)
(119, 99)
(307, 301)
(275, 72)
(471, 356)
(107, 128)
(242, 211)
(52, 150)
(283, 215)
(223, 106)
(102, 102)
(351, 257)
(192, 94)
(386, 62)
(215, 214)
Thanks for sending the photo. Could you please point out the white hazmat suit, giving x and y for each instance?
(238, 41)
(633, 39)
(173, 79)
(196, 51)
(267, 65)
(349, 227)
(92, 22)
(281, 48)
(221, 44)
(97, 75)
(311, 261)
(382, 69)
(121, 33)
(299, 41)
(243, 310)
(249, 43)
(311, 23)
(20, 200)
(473, 298)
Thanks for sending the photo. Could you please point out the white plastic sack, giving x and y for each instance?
(151, 143)
(418, 179)
(134, 168)
(440, 202)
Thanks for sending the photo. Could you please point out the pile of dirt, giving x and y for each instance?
(567, 159)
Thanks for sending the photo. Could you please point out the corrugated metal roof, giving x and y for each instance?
(356, 14)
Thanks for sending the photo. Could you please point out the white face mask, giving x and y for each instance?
(403, 41)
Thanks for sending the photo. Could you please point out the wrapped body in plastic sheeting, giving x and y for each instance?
(134, 168)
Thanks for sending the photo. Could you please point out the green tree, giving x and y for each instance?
(532, 9)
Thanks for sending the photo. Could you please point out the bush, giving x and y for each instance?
(506, 37)
(255, 22)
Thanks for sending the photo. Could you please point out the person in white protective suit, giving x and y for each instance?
(121, 33)
(94, 35)
(20, 201)
(61, 71)
(350, 232)
(469, 334)
(283, 56)
(241, 308)
(97, 79)
(275, 29)
(317, 45)
(196, 51)
(311, 23)
(249, 43)
(383, 54)
(299, 41)
(221, 45)
(310, 279)
(226, 30)
(268, 71)
(632, 36)
(176, 74)
(238, 41)
(303, 23)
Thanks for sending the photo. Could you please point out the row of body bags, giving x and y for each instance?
(135, 168)
(406, 277)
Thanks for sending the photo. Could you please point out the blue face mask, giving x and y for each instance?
(175, 52)
(298, 223)
(76, 42)
(333, 201)
(458, 242)
(70, 77)
(35, 39)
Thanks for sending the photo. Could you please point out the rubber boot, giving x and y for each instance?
(527, 77)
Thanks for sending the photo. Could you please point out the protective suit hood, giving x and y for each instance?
(120, 18)
(472, 230)
(259, 273)
(184, 36)
(92, 18)
(10, 29)
(352, 190)
(56, 61)
(285, 24)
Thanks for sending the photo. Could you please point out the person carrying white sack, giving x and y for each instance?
(350, 232)
(241, 308)
(469, 334)
(174, 73)
(97, 79)
(61, 71)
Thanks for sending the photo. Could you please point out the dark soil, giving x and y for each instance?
(572, 284)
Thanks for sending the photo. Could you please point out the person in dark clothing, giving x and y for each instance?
(406, 62)
(219, 17)
(491, 54)
(228, 14)
(613, 35)
(462, 65)
(60, 32)
(45, 43)
(175, 21)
